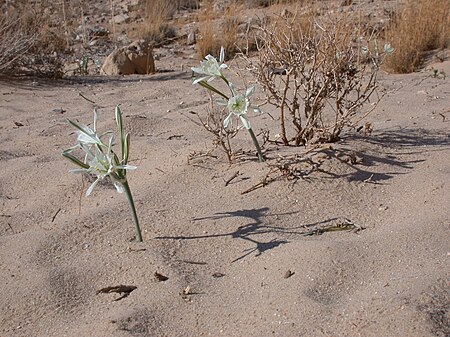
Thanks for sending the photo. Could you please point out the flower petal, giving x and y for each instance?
(91, 188)
(196, 70)
(221, 101)
(200, 79)
(88, 138)
(250, 91)
(232, 88)
(80, 170)
(118, 186)
(126, 167)
(210, 58)
(256, 109)
(227, 120)
(245, 122)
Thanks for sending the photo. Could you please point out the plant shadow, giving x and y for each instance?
(396, 146)
(247, 232)
(370, 159)
(407, 138)
(256, 226)
(41, 83)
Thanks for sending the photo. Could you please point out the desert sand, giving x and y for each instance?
(234, 263)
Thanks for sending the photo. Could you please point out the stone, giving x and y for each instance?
(136, 58)
(141, 55)
(120, 18)
(117, 63)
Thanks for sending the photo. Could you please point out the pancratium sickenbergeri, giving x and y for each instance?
(237, 104)
(101, 161)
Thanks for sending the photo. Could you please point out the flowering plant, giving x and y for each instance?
(101, 161)
(211, 69)
(237, 104)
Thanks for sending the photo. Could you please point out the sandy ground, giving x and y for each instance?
(237, 264)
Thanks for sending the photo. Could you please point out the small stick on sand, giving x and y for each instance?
(235, 175)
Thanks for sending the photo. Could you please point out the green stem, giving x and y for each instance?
(133, 210)
(225, 80)
(210, 87)
(258, 149)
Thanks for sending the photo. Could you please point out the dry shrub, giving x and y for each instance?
(312, 70)
(267, 3)
(156, 15)
(420, 25)
(208, 42)
(187, 4)
(229, 31)
(219, 28)
(212, 121)
(29, 43)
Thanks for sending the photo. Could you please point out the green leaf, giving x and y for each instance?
(75, 160)
(77, 126)
(210, 87)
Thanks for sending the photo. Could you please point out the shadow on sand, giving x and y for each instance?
(250, 231)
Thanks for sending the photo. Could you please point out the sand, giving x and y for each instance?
(236, 264)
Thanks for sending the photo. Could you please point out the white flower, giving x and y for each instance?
(100, 160)
(86, 135)
(210, 68)
(103, 165)
(238, 105)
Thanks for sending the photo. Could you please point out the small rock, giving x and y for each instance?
(120, 18)
(288, 273)
(136, 58)
(160, 277)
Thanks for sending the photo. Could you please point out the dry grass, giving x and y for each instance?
(207, 43)
(156, 15)
(213, 35)
(29, 43)
(229, 31)
(421, 25)
(267, 3)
